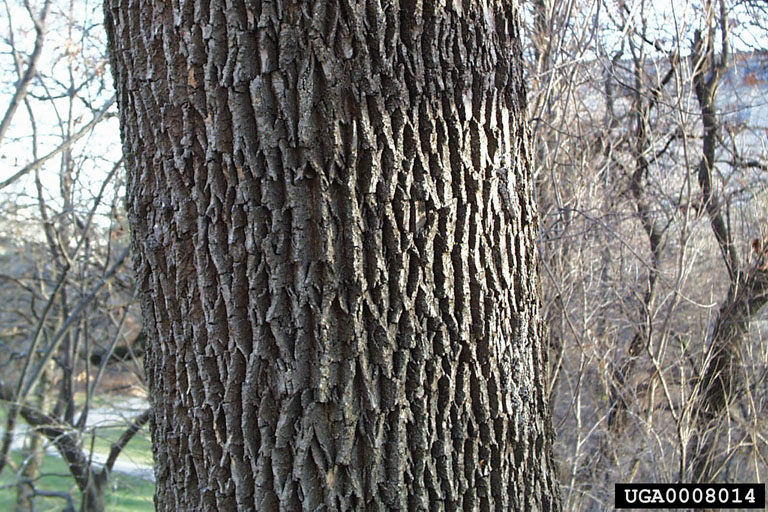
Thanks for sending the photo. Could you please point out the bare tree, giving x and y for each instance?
(64, 290)
(723, 379)
(651, 187)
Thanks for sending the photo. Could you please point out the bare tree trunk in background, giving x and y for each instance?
(31, 472)
(33, 459)
(332, 212)
(722, 378)
(555, 217)
(644, 98)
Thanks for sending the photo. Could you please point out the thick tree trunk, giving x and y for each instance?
(334, 234)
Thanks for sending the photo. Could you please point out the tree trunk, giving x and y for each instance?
(722, 376)
(94, 494)
(333, 225)
(33, 459)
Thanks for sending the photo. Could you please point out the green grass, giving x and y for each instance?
(138, 450)
(124, 493)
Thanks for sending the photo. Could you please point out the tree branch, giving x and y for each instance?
(29, 74)
(133, 428)
(61, 437)
(100, 116)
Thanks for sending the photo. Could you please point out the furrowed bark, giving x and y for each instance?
(331, 205)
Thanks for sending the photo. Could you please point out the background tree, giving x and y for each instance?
(650, 179)
(334, 228)
(65, 296)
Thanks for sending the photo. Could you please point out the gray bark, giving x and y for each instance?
(331, 205)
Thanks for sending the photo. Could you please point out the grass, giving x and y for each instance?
(138, 450)
(124, 494)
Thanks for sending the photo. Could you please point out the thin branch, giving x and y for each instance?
(17, 397)
(64, 441)
(75, 316)
(51, 494)
(29, 74)
(100, 116)
(121, 443)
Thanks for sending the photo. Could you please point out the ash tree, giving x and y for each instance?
(333, 222)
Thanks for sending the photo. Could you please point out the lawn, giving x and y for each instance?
(139, 450)
(125, 494)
